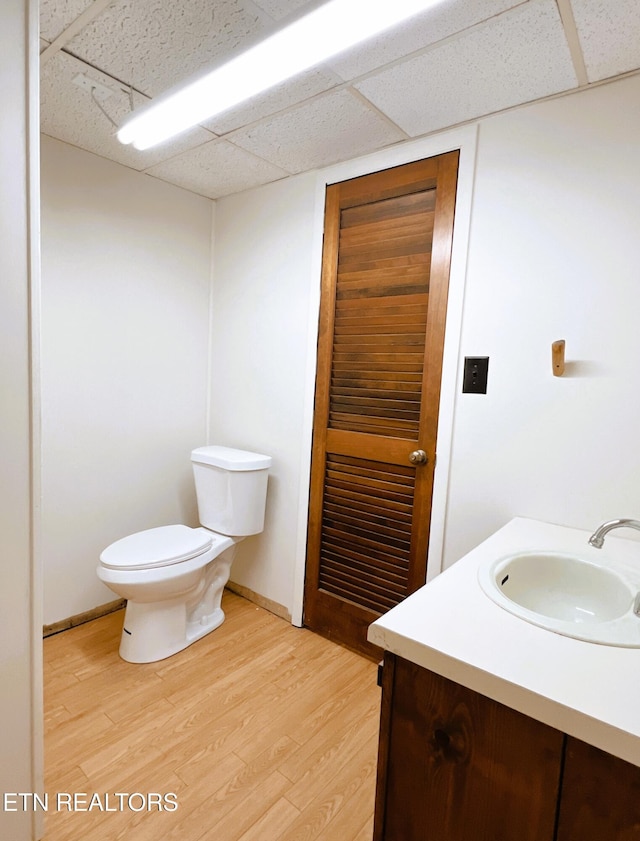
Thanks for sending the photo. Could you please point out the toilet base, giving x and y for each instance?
(157, 629)
(154, 632)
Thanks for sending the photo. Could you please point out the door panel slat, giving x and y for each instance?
(393, 229)
(375, 563)
(376, 508)
(381, 380)
(378, 306)
(339, 582)
(388, 208)
(341, 518)
(354, 478)
(368, 495)
(364, 561)
(363, 533)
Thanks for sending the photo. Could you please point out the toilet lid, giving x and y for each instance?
(156, 548)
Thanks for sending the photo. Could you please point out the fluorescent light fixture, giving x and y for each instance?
(323, 33)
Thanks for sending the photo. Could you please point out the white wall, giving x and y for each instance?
(21, 647)
(126, 268)
(554, 253)
(126, 279)
(264, 272)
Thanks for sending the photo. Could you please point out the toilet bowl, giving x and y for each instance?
(173, 576)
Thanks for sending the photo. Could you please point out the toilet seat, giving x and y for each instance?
(159, 547)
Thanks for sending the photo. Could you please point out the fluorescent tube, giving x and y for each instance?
(323, 33)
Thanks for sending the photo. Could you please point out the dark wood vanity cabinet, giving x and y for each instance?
(600, 796)
(454, 765)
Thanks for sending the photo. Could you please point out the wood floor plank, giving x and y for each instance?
(82, 731)
(126, 742)
(327, 738)
(365, 833)
(56, 716)
(277, 719)
(263, 731)
(352, 685)
(337, 751)
(357, 801)
(190, 820)
(69, 778)
(234, 680)
(273, 823)
(249, 808)
(336, 811)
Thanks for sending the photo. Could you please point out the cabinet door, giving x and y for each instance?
(600, 796)
(461, 767)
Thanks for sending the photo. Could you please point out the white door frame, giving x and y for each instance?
(21, 770)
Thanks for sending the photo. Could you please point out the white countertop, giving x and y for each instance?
(451, 627)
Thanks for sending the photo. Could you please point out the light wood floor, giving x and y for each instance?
(265, 732)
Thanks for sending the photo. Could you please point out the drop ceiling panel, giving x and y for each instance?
(440, 22)
(57, 15)
(517, 58)
(68, 113)
(609, 32)
(283, 96)
(334, 127)
(155, 44)
(217, 169)
(282, 8)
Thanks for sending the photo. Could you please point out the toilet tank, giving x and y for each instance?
(231, 488)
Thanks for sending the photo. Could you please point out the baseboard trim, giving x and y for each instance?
(273, 607)
(104, 609)
(81, 618)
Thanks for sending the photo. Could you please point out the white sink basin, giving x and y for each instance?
(565, 594)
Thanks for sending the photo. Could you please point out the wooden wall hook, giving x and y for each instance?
(557, 357)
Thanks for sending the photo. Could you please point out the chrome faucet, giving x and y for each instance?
(597, 538)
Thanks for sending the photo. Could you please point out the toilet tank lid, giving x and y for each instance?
(230, 459)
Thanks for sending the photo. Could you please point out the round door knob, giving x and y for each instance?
(418, 457)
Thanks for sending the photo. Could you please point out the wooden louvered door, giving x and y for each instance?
(387, 248)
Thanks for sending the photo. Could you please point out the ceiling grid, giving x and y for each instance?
(461, 60)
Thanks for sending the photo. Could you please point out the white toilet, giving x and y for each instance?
(173, 576)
